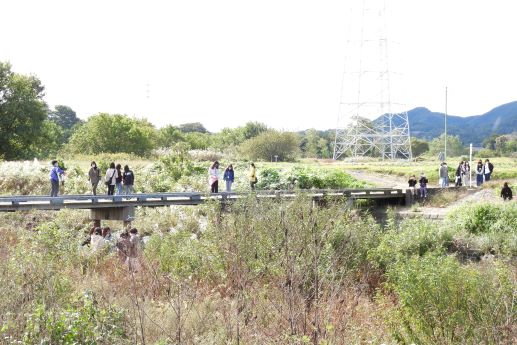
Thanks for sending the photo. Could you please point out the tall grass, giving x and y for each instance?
(256, 272)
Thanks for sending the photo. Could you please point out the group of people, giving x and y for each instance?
(117, 181)
(484, 171)
(127, 246)
(123, 181)
(228, 177)
(423, 181)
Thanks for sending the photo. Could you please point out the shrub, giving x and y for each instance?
(86, 322)
(440, 301)
(267, 145)
(488, 227)
(413, 237)
(113, 133)
(306, 178)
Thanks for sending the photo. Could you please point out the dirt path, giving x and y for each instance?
(379, 180)
(390, 181)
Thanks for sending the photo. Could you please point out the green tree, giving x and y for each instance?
(231, 137)
(312, 144)
(454, 145)
(192, 127)
(228, 138)
(267, 145)
(489, 143)
(50, 140)
(506, 143)
(198, 141)
(114, 133)
(418, 146)
(169, 135)
(22, 112)
(64, 116)
(252, 129)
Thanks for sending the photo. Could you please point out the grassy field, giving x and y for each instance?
(158, 174)
(504, 167)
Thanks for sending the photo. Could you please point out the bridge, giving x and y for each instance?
(121, 207)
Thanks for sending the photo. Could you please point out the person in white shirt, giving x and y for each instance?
(489, 167)
(111, 178)
(97, 242)
(213, 177)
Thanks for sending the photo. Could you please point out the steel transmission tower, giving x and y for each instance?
(369, 123)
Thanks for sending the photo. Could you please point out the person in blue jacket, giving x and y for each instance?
(55, 173)
(228, 177)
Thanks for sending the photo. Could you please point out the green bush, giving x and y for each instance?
(413, 237)
(306, 178)
(487, 227)
(439, 301)
(85, 322)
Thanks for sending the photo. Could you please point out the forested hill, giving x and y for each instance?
(471, 129)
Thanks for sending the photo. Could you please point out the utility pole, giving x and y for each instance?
(445, 118)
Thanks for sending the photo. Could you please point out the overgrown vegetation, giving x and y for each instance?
(260, 272)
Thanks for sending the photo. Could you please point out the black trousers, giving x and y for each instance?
(214, 188)
(111, 189)
(54, 188)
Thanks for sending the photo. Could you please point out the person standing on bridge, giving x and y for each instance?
(55, 173)
(412, 183)
(111, 178)
(213, 177)
(253, 176)
(229, 177)
(128, 179)
(94, 176)
(118, 180)
(423, 185)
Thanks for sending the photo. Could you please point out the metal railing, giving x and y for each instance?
(28, 202)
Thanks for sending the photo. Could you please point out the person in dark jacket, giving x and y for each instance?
(228, 177)
(55, 173)
(129, 179)
(480, 172)
(506, 192)
(458, 175)
(444, 175)
(423, 185)
(488, 170)
(94, 175)
(412, 183)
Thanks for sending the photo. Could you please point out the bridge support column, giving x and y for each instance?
(409, 197)
(125, 214)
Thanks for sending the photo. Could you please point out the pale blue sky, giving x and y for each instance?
(223, 63)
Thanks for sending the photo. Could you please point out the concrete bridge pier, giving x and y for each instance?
(125, 214)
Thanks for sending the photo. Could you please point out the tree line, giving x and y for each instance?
(29, 128)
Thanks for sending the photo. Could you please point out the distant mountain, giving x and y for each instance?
(426, 124)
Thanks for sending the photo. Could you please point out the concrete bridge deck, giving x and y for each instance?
(30, 202)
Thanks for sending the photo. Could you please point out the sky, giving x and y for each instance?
(280, 62)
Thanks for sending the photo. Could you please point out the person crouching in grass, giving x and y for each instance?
(506, 192)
